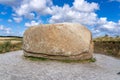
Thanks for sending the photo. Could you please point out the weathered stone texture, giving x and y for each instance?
(58, 41)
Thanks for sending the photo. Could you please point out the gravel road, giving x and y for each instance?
(13, 66)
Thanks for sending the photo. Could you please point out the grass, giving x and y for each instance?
(79, 61)
(107, 38)
(36, 59)
(107, 45)
(8, 45)
(65, 61)
(5, 47)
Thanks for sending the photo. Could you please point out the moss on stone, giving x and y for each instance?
(65, 61)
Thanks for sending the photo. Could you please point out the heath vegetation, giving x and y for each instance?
(8, 44)
(107, 45)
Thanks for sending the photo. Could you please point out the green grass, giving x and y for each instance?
(7, 46)
(65, 61)
(106, 38)
(36, 59)
(107, 45)
(79, 61)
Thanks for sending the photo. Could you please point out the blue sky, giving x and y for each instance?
(100, 16)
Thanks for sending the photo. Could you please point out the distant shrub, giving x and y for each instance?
(107, 47)
(5, 47)
(8, 46)
(1, 49)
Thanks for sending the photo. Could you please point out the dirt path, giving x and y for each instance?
(13, 66)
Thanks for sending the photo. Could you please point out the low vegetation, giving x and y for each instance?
(8, 44)
(65, 61)
(107, 45)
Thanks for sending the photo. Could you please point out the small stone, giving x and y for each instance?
(118, 73)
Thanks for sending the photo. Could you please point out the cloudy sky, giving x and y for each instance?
(100, 16)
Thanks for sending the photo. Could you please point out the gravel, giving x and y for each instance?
(13, 66)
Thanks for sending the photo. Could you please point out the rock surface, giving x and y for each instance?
(58, 41)
(13, 66)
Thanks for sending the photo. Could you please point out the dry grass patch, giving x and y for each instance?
(10, 44)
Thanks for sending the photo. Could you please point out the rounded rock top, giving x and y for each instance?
(60, 41)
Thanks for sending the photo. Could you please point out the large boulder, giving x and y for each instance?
(60, 41)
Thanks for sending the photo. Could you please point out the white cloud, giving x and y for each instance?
(81, 11)
(119, 22)
(23, 9)
(17, 19)
(30, 16)
(10, 2)
(84, 15)
(5, 29)
(38, 6)
(32, 23)
(13, 14)
(9, 20)
(103, 26)
(107, 25)
(3, 13)
(7, 1)
(84, 6)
